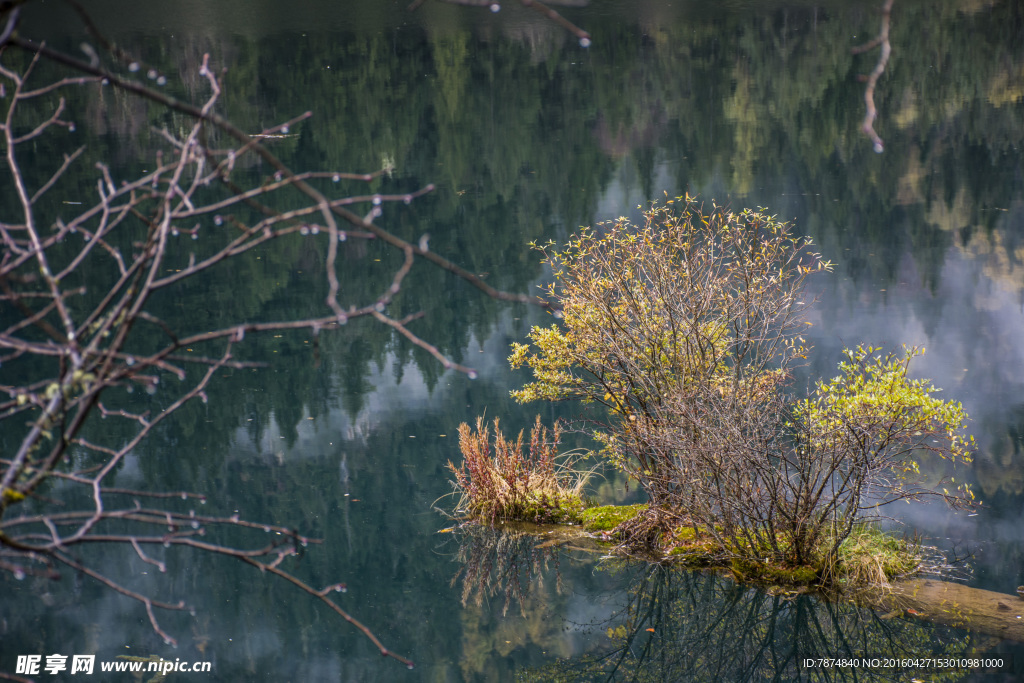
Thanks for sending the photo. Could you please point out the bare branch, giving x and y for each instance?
(87, 345)
(68, 160)
(149, 603)
(430, 348)
(868, 125)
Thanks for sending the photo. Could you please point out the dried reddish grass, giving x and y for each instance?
(504, 482)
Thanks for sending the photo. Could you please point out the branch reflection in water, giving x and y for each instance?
(674, 625)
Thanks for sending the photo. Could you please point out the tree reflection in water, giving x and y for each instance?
(682, 625)
(686, 625)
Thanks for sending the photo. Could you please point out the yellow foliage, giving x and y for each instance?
(684, 328)
(676, 303)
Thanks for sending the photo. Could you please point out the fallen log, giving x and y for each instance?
(957, 605)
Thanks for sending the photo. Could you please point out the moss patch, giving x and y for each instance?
(869, 557)
(771, 574)
(607, 517)
(684, 546)
(557, 508)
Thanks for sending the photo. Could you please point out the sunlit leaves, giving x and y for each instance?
(873, 409)
(683, 300)
(685, 328)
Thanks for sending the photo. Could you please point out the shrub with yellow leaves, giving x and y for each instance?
(686, 329)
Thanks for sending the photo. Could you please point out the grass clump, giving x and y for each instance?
(871, 557)
(505, 482)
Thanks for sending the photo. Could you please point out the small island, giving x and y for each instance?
(678, 337)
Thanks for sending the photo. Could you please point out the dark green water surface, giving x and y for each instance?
(527, 135)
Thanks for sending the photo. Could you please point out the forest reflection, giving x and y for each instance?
(527, 135)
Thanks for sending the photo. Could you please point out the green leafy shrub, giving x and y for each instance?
(686, 328)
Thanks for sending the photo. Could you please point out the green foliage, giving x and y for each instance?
(874, 402)
(872, 410)
(688, 304)
(685, 328)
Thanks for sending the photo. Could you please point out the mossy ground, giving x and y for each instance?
(869, 557)
(538, 507)
(557, 507)
(773, 575)
(607, 517)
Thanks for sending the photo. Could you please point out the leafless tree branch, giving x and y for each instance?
(868, 125)
(88, 342)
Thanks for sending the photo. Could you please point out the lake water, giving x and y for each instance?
(528, 134)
